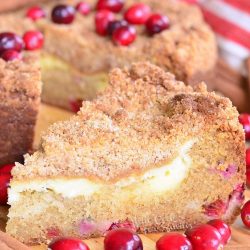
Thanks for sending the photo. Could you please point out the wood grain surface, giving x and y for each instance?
(240, 234)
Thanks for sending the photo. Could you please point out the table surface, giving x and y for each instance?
(240, 234)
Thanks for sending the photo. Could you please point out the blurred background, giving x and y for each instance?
(230, 20)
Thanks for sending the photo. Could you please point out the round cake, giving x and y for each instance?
(79, 52)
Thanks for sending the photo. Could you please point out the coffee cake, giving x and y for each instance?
(150, 153)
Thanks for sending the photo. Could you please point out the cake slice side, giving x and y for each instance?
(20, 83)
(149, 153)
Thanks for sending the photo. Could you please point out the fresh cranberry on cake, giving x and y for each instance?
(124, 35)
(157, 23)
(102, 20)
(10, 55)
(33, 40)
(138, 13)
(10, 41)
(112, 5)
(35, 13)
(63, 14)
(114, 25)
(83, 8)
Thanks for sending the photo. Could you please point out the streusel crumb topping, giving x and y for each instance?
(138, 123)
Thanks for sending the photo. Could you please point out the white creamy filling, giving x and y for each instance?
(155, 180)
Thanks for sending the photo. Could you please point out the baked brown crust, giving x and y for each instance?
(138, 123)
(20, 98)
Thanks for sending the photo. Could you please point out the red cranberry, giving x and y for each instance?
(248, 176)
(123, 224)
(68, 244)
(63, 14)
(244, 118)
(35, 13)
(138, 13)
(83, 8)
(122, 239)
(204, 237)
(216, 208)
(53, 232)
(223, 229)
(112, 26)
(102, 19)
(6, 169)
(33, 40)
(245, 214)
(76, 105)
(112, 5)
(4, 184)
(248, 157)
(5, 176)
(124, 35)
(10, 55)
(173, 241)
(157, 23)
(11, 41)
(245, 121)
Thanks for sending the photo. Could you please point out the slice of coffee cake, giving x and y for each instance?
(20, 89)
(149, 153)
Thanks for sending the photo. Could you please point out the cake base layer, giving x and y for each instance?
(45, 216)
(149, 203)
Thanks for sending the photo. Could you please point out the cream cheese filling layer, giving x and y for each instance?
(51, 63)
(160, 179)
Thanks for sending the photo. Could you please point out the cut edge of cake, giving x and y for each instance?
(20, 83)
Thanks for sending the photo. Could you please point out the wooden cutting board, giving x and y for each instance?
(48, 115)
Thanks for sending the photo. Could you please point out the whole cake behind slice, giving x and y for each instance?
(20, 89)
(149, 153)
(75, 67)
